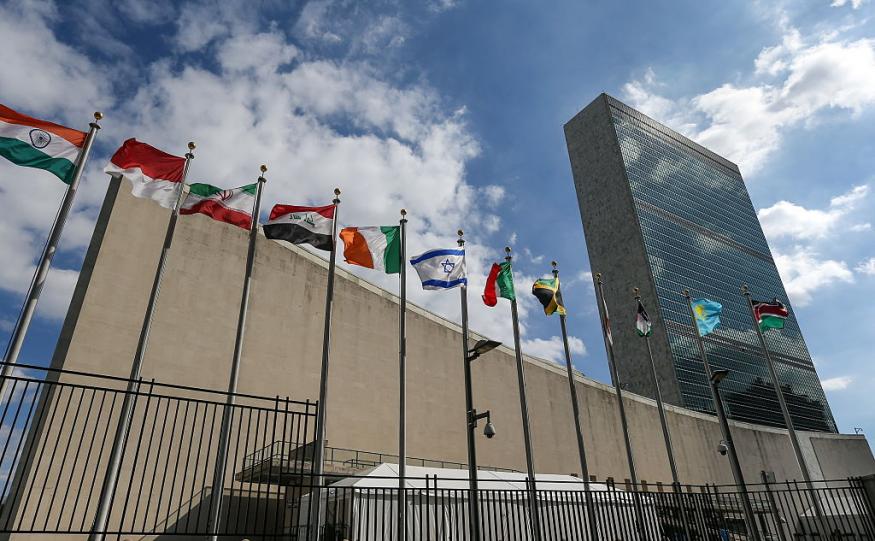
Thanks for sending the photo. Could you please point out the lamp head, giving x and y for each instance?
(489, 430)
(718, 375)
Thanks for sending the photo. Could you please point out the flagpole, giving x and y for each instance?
(107, 491)
(402, 383)
(666, 435)
(575, 408)
(724, 424)
(524, 411)
(470, 415)
(228, 413)
(623, 420)
(794, 440)
(319, 451)
(19, 332)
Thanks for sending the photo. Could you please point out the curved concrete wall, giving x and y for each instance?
(193, 337)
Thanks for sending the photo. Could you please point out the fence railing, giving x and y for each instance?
(56, 430)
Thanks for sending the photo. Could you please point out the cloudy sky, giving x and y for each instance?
(454, 110)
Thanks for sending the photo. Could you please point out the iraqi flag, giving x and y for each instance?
(230, 206)
(31, 142)
(770, 315)
(153, 174)
(302, 225)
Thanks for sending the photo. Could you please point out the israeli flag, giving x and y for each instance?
(441, 269)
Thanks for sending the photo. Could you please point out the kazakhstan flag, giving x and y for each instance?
(707, 315)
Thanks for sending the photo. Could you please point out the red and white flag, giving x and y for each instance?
(153, 174)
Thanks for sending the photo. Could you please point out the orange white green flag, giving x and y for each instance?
(31, 142)
(377, 247)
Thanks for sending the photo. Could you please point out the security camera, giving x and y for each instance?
(489, 430)
(722, 448)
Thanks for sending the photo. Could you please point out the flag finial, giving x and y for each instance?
(745, 290)
(598, 277)
(263, 169)
(403, 216)
(686, 293)
(637, 293)
(191, 145)
(403, 212)
(97, 118)
(507, 256)
(190, 153)
(336, 196)
(555, 266)
(461, 240)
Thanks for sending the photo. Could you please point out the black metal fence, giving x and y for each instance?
(56, 432)
(56, 429)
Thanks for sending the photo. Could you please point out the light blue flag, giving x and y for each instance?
(441, 269)
(707, 315)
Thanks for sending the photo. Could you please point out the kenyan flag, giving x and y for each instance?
(229, 206)
(770, 315)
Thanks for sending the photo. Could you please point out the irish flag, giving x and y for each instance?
(36, 143)
(376, 247)
(153, 174)
(770, 315)
(229, 206)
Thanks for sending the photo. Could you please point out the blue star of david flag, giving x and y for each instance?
(707, 315)
(441, 269)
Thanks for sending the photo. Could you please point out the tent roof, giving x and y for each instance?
(386, 475)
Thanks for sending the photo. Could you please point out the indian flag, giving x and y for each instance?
(376, 247)
(153, 174)
(31, 142)
(229, 206)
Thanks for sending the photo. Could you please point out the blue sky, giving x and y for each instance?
(454, 110)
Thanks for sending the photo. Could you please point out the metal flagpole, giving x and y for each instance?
(319, 451)
(575, 408)
(724, 425)
(402, 383)
(228, 412)
(107, 491)
(623, 420)
(470, 414)
(794, 440)
(16, 339)
(666, 435)
(524, 411)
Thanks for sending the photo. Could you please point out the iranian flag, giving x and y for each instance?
(302, 225)
(153, 174)
(31, 142)
(229, 206)
(377, 247)
(770, 315)
(499, 284)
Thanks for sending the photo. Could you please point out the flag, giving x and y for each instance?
(707, 314)
(441, 269)
(302, 225)
(31, 142)
(547, 291)
(642, 322)
(153, 174)
(770, 315)
(230, 206)
(607, 323)
(376, 247)
(499, 284)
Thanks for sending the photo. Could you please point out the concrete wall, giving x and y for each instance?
(193, 335)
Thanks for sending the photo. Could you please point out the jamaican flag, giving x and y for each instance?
(547, 291)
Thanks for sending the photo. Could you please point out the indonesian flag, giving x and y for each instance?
(31, 142)
(153, 174)
(770, 315)
(376, 247)
(230, 206)
(301, 225)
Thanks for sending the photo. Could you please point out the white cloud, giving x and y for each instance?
(803, 273)
(859, 228)
(553, 349)
(855, 4)
(745, 123)
(837, 383)
(786, 219)
(866, 267)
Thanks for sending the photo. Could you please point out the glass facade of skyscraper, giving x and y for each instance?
(701, 233)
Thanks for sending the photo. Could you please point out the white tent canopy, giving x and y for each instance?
(366, 506)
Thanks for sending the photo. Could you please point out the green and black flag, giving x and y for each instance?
(642, 322)
(770, 315)
(547, 291)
